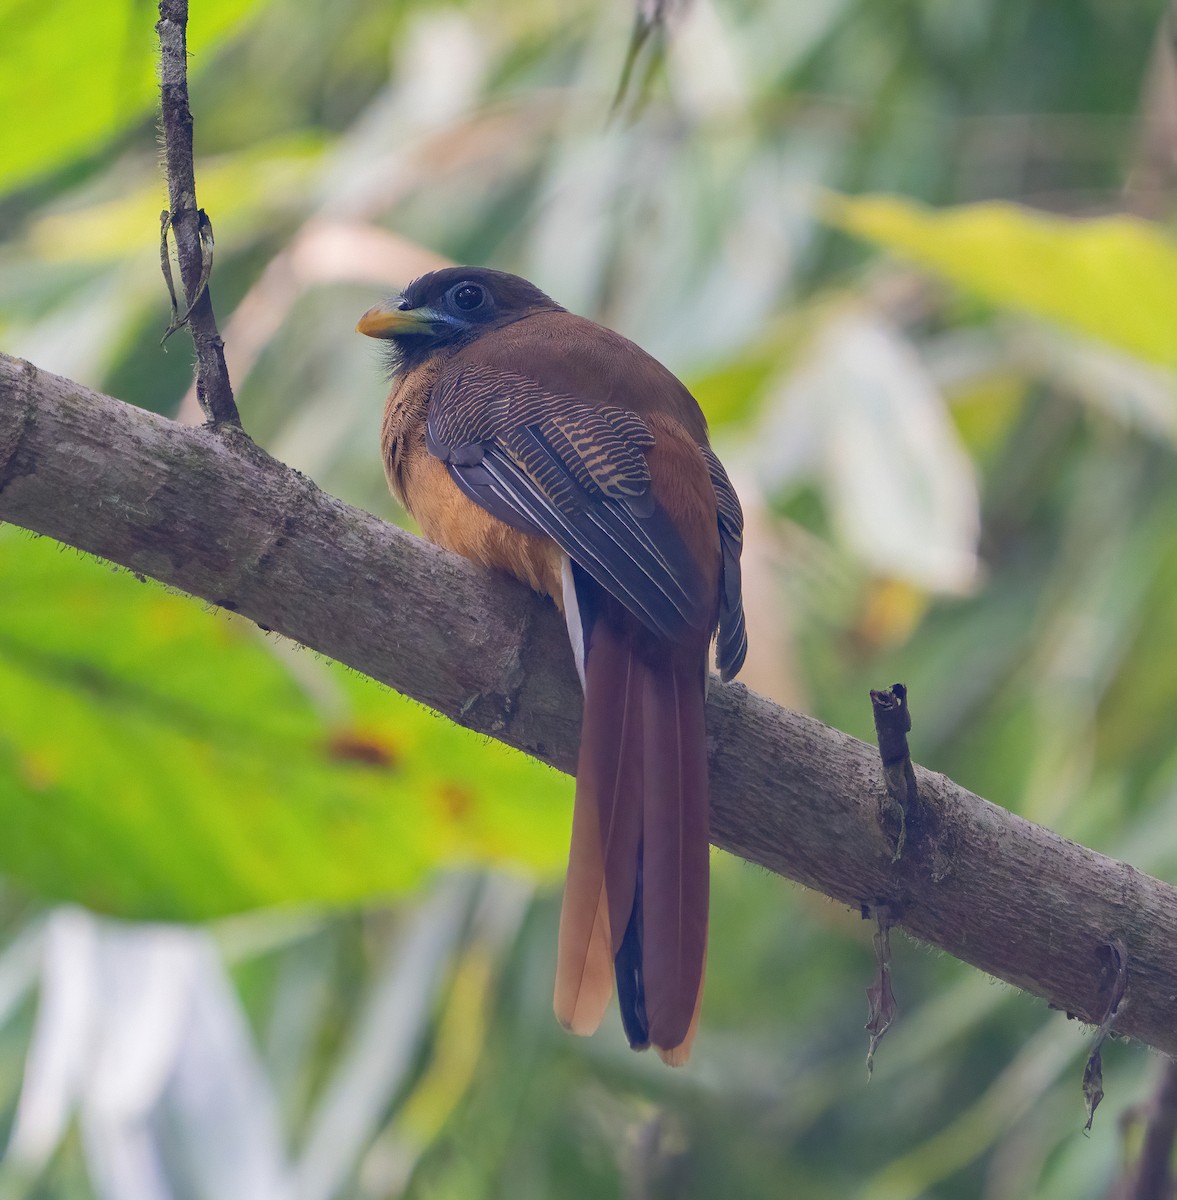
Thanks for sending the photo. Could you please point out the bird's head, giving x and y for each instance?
(451, 308)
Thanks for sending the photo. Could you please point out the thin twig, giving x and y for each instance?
(1150, 1177)
(652, 22)
(1154, 1170)
(189, 223)
(1149, 190)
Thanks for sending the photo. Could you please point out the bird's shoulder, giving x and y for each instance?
(564, 355)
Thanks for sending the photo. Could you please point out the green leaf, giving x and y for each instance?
(160, 760)
(1113, 278)
(77, 73)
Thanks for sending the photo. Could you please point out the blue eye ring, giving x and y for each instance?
(467, 296)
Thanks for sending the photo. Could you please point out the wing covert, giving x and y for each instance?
(553, 464)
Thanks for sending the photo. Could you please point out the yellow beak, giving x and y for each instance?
(387, 321)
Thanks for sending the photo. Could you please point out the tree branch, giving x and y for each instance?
(193, 233)
(217, 517)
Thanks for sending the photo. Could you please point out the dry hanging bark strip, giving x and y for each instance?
(880, 999)
(179, 320)
(1115, 984)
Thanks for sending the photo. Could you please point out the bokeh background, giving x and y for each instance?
(270, 932)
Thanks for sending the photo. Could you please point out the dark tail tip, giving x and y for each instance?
(631, 990)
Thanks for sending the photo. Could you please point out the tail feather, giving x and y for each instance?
(675, 849)
(677, 1056)
(606, 832)
(584, 963)
(635, 901)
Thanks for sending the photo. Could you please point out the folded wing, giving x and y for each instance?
(553, 464)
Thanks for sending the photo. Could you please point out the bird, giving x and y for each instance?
(539, 443)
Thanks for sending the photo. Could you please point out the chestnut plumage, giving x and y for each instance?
(540, 443)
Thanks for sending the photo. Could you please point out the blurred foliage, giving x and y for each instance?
(287, 779)
(956, 456)
(108, 67)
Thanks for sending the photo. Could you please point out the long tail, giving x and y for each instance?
(635, 901)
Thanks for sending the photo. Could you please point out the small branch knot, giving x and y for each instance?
(902, 800)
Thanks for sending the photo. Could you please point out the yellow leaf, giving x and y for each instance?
(1114, 278)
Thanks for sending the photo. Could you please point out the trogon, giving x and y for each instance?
(539, 443)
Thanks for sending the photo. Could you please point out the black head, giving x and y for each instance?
(451, 308)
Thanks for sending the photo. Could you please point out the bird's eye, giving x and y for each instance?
(468, 296)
